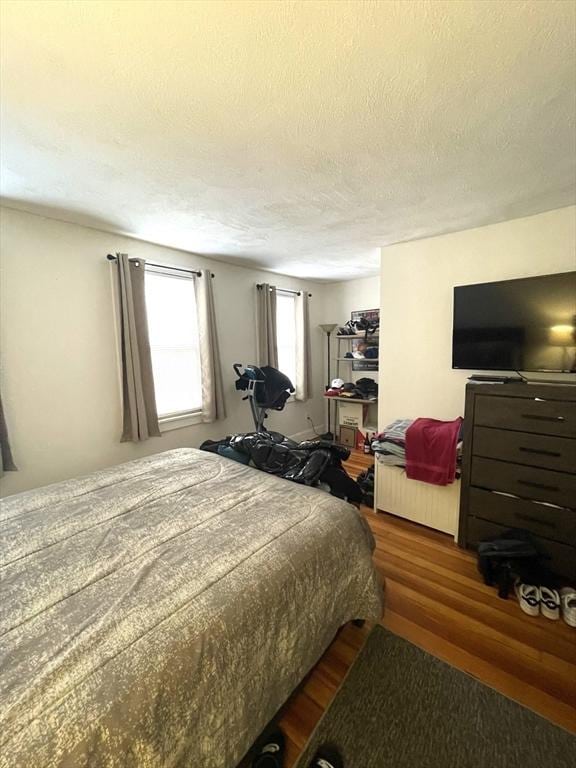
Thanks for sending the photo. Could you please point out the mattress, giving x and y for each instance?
(158, 613)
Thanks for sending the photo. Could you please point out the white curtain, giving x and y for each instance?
(303, 349)
(213, 406)
(266, 325)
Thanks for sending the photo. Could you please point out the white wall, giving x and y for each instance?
(345, 297)
(417, 281)
(60, 373)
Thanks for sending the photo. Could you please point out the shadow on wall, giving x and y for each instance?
(70, 215)
(80, 216)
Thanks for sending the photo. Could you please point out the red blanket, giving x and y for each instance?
(431, 450)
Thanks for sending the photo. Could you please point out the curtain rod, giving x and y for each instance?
(282, 290)
(112, 257)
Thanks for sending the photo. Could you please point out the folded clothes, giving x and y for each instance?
(431, 450)
(390, 447)
(396, 431)
(385, 446)
(389, 460)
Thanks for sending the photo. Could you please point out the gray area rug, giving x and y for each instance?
(399, 707)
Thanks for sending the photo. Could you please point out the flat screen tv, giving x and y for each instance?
(516, 325)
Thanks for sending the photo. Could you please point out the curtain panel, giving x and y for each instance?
(213, 406)
(303, 381)
(140, 418)
(6, 460)
(266, 325)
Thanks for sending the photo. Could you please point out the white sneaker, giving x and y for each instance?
(550, 603)
(568, 601)
(528, 598)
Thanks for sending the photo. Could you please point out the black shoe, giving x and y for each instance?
(269, 750)
(327, 757)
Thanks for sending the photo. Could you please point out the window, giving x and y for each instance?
(286, 333)
(173, 330)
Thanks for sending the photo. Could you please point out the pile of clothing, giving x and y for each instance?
(358, 327)
(430, 450)
(363, 389)
(390, 445)
(363, 352)
(316, 463)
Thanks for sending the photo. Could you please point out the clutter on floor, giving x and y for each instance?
(269, 751)
(315, 463)
(366, 482)
(513, 560)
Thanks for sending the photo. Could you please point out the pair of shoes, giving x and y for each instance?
(534, 600)
(270, 749)
(568, 601)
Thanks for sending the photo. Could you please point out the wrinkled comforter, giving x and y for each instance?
(158, 613)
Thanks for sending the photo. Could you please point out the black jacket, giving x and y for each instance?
(310, 462)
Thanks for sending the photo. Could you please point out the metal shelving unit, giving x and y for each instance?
(341, 359)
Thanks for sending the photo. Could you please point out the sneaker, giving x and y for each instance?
(528, 598)
(550, 603)
(269, 750)
(568, 602)
(327, 757)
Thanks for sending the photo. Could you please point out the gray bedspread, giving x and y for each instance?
(159, 612)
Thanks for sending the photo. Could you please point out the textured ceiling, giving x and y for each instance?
(298, 136)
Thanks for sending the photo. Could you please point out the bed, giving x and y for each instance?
(158, 613)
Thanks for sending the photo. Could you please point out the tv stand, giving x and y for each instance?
(518, 468)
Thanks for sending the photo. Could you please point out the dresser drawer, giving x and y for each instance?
(550, 522)
(560, 558)
(546, 417)
(527, 482)
(558, 453)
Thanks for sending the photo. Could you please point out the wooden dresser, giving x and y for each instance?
(519, 467)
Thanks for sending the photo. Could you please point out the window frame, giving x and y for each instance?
(187, 418)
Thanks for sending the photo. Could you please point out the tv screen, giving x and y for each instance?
(516, 325)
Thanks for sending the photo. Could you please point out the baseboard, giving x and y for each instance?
(308, 434)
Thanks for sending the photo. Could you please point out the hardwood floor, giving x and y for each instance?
(435, 599)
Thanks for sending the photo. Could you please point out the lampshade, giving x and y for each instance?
(328, 327)
(561, 336)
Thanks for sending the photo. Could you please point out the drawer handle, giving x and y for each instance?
(540, 452)
(541, 486)
(541, 417)
(532, 519)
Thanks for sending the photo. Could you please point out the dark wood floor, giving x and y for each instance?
(435, 599)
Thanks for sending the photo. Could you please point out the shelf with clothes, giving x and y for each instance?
(361, 367)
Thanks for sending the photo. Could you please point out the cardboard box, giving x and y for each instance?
(351, 415)
(347, 436)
